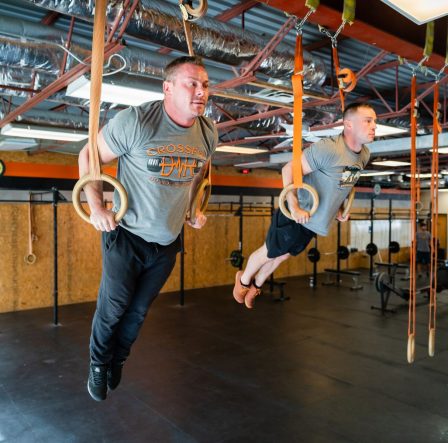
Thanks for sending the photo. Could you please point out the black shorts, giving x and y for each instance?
(423, 258)
(286, 236)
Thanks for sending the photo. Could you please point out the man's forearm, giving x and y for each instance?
(93, 190)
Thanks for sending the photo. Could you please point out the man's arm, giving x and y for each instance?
(200, 218)
(102, 219)
(298, 214)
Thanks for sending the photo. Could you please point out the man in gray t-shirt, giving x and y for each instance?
(423, 258)
(332, 167)
(162, 149)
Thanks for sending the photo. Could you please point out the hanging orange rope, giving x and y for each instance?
(203, 191)
(413, 249)
(297, 87)
(434, 223)
(95, 173)
(30, 258)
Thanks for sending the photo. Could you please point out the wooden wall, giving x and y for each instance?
(26, 286)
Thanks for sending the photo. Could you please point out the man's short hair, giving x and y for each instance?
(352, 108)
(170, 69)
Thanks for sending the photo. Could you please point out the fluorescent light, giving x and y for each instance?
(390, 163)
(385, 130)
(380, 131)
(14, 144)
(113, 92)
(258, 164)
(42, 132)
(240, 150)
(441, 150)
(374, 173)
(419, 12)
(423, 175)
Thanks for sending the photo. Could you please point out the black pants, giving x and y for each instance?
(134, 271)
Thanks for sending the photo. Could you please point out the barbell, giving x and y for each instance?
(236, 258)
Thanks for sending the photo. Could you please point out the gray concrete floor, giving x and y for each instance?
(321, 367)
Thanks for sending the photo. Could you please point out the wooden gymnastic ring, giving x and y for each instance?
(201, 198)
(431, 342)
(411, 348)
(191, 14)
(346, 79)
(418, 206)
(76, 196)
(283, 194)
(30, 259)
(347, 205)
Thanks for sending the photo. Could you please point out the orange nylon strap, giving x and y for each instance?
(297, 87)
(188, 37)
(434, 213)
(337, 70)
(412, 281)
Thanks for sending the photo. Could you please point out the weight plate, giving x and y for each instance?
(371, 249)
(343, 252)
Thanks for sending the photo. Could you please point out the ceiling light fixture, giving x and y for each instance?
(418, 11)
(391, 163)
(42, 132)
(381, 131)
(423, 175)
(115, 93)
(374, 173)
(240, 150)
(441, 150)
(14, 144)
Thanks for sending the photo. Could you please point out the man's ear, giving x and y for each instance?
(167, 87)
(348, 124)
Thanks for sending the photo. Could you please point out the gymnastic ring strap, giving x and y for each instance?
(76, 196)
(30, 258)
(347, 205)
(95, 173)
(200, 200)
(191, 14)
(291, 187)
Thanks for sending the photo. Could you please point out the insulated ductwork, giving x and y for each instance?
(160, 23)
(51, 118)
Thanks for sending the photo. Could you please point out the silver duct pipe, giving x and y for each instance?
(52, 118)
(160, 23)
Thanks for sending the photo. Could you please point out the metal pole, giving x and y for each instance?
(55, 255)
(390, 231)
(241, 228)
(371, 236)
(338, 266)
(315, 266)
(182, 271)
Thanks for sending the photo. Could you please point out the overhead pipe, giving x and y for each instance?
(160, 22)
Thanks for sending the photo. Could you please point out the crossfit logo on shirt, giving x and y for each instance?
(174, 164)
(350, 176)
(178, 167)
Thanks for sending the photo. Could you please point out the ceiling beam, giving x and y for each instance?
(330, 18)
(236, 10)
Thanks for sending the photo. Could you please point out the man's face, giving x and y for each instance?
(362, 124)
(188, 90)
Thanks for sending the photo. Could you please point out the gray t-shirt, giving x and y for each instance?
(158, 160)
(423, 241)
(335, 170)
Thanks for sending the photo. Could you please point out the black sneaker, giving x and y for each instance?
(97, 383)
(114, 375)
